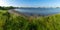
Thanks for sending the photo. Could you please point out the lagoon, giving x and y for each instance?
(39, 11)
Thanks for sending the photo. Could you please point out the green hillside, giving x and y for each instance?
(13, 22)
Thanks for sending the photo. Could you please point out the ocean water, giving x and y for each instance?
(39, 11)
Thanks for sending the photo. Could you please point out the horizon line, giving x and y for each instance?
(31, 6)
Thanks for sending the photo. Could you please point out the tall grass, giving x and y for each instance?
(12, 22)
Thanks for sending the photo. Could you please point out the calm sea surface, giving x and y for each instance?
(39, 11)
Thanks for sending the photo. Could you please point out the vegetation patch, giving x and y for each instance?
(12, 22)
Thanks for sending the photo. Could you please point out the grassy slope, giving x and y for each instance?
(13, 22)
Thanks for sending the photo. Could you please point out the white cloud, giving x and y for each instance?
(3, 3)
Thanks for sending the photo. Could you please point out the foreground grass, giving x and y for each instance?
(13, 22)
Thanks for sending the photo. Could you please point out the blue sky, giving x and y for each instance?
(30, 3)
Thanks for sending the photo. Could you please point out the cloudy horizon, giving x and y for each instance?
(30, 3)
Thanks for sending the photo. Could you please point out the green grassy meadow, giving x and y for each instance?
(12, 22)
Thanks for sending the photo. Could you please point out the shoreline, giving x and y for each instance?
(12, 11)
